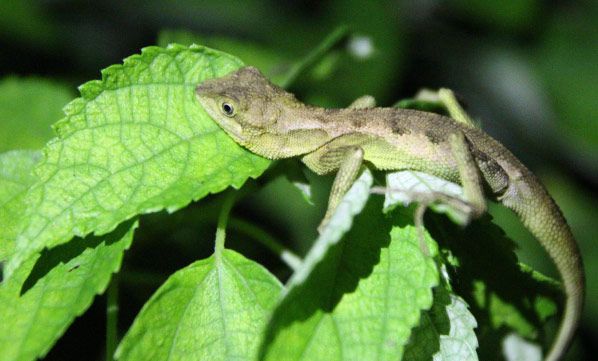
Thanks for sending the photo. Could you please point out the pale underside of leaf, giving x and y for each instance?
(214, 309)
(446, 331)
(135, 142)
(516, 348)
(461, 342)
(407, 187)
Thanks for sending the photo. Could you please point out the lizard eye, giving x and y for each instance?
(228, 109)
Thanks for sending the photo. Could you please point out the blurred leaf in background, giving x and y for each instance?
(513, 16)
(566, 60)
(28, 107)
(26, 21)
(269, 61)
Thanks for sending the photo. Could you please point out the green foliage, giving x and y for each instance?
(362, 299)
(213, 309)
(26, 20)
(138, 142)
(564, 53)
(269, 61)
(28, 107)
(499, 295)
(16, 176)
(511, 15)
(45, 295)
(446, 331)
(372, 286)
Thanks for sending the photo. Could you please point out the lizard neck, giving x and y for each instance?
(298, 130)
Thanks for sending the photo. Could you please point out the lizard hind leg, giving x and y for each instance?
(469, 174)
(418, 220)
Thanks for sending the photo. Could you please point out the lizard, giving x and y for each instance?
(271, 122)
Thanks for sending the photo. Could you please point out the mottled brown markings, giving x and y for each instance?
(357, 122)
(434, 136)
(397, 128)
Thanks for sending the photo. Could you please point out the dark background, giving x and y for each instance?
(526, 69)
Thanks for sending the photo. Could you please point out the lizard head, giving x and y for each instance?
(242, 103)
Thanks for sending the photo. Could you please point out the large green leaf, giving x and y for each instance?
(341, 222)
(361, 300)
(214, 309)
(137, 141)
(45, 295)
(28, 107)
(16, 176)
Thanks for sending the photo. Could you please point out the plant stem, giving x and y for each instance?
(227, 205)
(263, 237)
(112, 318)
(314, 55)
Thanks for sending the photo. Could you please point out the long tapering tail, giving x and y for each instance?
(540, 214)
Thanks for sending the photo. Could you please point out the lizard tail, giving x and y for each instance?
(544, 219)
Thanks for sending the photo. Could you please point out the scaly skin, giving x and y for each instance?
(272, 123)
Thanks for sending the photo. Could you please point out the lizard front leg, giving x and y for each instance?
(347, 159)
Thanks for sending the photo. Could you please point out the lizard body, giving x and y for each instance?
(273, 123)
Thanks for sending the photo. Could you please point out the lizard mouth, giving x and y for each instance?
(233, 128)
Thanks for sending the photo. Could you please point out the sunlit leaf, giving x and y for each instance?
(137, 141)
(214, 309)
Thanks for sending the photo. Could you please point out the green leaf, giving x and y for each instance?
(45, 295)
(361, 300)
(214, 309)
(442, 101)
(499, 296)
(269, 61)
(16, 176)
(425, 105)
(446, 331)
(504, 17)
(505, 312)
(28, 107)
(342, 220)
(28, 22)
(135, 142)
(565, 63)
